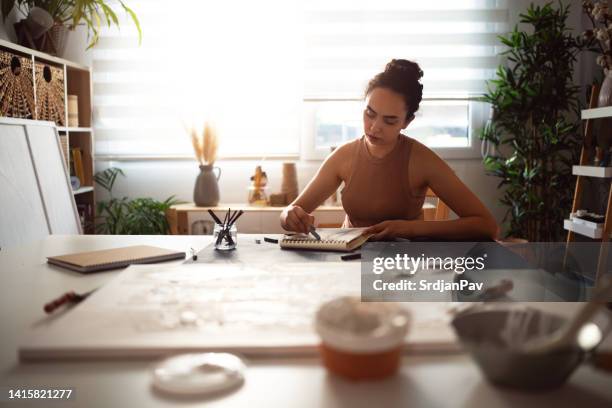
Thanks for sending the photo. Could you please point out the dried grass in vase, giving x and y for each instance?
(205, 145)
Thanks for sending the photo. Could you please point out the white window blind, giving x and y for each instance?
(232, 61)
(251, 65)
(349, 41)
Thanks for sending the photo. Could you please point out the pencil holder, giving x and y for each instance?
(225, 238)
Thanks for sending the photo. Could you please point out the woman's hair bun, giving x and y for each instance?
(402, 66)
(401, 76)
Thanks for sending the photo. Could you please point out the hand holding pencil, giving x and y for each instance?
(294, 218)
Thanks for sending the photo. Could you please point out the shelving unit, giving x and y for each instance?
(82, 190)
(76, 80)
(596, 113)
(592, 171)
(73, 129)
(587, 231)
(584, 170)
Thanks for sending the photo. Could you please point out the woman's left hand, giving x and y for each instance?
(388, 230)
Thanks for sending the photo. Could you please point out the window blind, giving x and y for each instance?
(250, 65)
(454, 41)
(233, 62)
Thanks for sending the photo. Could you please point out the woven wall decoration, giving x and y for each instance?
(50, 102)
(16, 86)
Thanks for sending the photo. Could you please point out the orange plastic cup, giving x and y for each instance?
(361, 341)
(361, 366)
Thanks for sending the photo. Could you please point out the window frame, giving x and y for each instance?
(478, 114)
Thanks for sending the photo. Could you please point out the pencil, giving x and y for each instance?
(68, 297)
(314, 233)
(236, 216)
(214, 216)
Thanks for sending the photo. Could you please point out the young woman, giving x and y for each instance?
(387, 174)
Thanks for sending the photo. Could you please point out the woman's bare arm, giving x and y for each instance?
(296, 216)
(474, 222)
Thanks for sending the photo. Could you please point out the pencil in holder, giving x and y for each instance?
(225, 237)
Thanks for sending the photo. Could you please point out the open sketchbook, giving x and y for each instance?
(332, 239)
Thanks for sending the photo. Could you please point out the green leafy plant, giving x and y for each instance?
(535, 126)
(121, 216)
(92, 13)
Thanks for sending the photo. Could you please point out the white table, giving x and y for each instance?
(27, 282)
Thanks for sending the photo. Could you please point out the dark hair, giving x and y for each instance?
(401, 76)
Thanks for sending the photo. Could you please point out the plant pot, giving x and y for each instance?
(52, 41)
(206, 190)
(38, 21)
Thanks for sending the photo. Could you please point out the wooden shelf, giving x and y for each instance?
(256, 220)
(582, 229)
(596, 113)
(73, 129)
(41, 55)
(81, 190)
(592, 171)
(191, 207)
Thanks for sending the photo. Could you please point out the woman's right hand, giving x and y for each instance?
(294, 218)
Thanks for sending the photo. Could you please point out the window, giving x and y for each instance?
(438, 123)
(449, 126)
(348, 41)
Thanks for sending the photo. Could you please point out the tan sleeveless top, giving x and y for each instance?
(378, 188)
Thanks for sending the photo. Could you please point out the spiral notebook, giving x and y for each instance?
(114, 258)
(332, 239)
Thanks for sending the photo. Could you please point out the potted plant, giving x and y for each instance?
(122, 216)
(206, 190)
(46, 23)
(535, 125)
